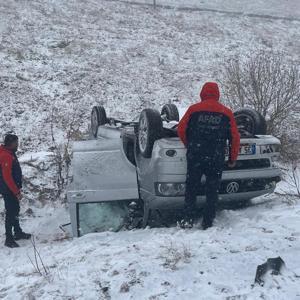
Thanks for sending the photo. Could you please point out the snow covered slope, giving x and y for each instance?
(219, 263)
(58, 58)
(287, 9)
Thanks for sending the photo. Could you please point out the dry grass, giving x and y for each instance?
(173, 254)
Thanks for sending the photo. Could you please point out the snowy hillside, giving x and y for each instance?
(60, 57)
(168, 263)
(289, 9)
(64, 56)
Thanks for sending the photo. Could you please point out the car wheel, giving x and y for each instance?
(170, 111)
(251, 121)
(98, 117)
(149, 130)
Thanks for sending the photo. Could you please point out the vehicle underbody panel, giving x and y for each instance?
(109, 173)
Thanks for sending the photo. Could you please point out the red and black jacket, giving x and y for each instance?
(10, 172)
(209, 124)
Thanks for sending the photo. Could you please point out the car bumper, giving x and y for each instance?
(178, 202)
(227, 175)
(252, 183)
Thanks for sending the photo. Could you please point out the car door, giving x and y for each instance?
(103, 183)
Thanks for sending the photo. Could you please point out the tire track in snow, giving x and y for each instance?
(203, 9)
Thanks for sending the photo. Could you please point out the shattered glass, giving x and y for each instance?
(102, 216)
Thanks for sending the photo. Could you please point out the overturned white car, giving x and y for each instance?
(128, 170)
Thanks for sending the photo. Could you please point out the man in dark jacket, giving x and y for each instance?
(10, 188)
(206, 129)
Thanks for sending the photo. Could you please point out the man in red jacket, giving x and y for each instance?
(205, 130)
(10, 188)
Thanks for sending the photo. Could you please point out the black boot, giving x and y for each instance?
(206, 224)
(22, 236)
(10, 242)
(186, 223)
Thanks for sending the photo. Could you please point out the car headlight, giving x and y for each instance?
(165, 189)
(269, 149)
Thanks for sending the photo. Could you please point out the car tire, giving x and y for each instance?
(171, 112)
(98, 117)
(251, 121)
(150, 129)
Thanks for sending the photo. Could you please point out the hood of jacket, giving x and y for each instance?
(210, 91)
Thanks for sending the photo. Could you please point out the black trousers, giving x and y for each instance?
(12, 208)
(198, 166)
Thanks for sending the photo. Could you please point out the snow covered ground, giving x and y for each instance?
(289, 9)
(159, 263)
(60, 57)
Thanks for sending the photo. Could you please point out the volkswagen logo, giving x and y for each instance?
(232, 187)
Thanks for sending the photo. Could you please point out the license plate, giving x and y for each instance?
(246, 149)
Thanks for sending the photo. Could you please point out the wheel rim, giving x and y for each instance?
(246, 122)
(94, 122)
(143, 134)
(164, 114)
